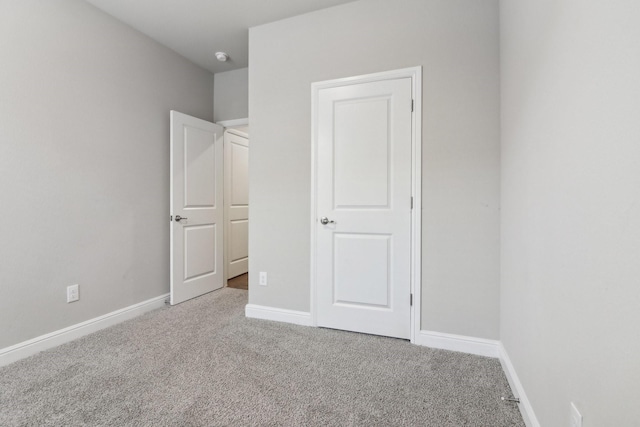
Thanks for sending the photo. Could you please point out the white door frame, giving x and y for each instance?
(415, 74)
(235, 122)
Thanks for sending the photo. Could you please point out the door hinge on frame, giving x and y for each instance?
(411, 202)
(411, 299)
(170, 218)
(412, 105)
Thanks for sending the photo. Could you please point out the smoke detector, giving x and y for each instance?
(222, 56)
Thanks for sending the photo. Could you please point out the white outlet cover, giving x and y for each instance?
(576, 416)
(73, 293)
(263, 278)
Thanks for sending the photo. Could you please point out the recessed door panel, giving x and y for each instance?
(362, 270)
(239, 236)
(361, 149)
(239, 175)
(199, 166)
(199, 251)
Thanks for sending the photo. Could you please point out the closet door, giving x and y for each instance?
(364, 206)
(236, 156)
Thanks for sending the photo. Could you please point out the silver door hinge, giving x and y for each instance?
(411, 202)
(412, 105)
(411, 299)
(170, 218)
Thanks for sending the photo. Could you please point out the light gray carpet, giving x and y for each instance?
(202, 363)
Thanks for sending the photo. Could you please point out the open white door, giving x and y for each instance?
(196, 207)
(236, 201)
(364, 207)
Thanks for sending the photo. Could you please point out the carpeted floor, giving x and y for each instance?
(202, 363)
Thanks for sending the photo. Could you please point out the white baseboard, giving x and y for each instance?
(56, 338)
(278, 314)
(483, 347)
(526, 410)
(472, 345)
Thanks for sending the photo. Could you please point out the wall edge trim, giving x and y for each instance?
(233, 122)
(461, 343)
(526, 410)
(262, 312)
(61, 336)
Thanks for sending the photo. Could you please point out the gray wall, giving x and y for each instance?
(84, 153)
(571, 206)
(456, 41)
(231, 99)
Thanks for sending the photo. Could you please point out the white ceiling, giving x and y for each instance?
(197, 29)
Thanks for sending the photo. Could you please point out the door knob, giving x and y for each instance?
(180, 218)
(324, 221)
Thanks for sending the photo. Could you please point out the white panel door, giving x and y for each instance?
(196, 207)
(236, 183)
(363, 253)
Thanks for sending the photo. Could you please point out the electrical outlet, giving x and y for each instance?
(576, 417)
(73, 293)
(263, 278)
